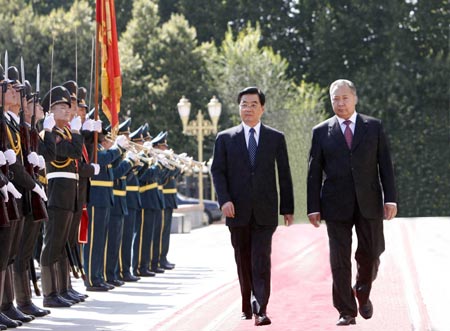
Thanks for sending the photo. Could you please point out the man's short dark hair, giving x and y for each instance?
(252, 90)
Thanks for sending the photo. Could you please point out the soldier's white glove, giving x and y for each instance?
(122, 141)
(12, 189)
(49, 122)
(148, 145)
(33, 159)
(4, 193)
(96, 168)
(75, 123)
(183, 155)
(10, 156)
(41, 162)
(88, 125)
(2, 159)
(132, 156)
(40, 191)
(163, 160)
(98, 126)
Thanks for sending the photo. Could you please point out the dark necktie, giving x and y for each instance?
(348, 134)
(252, 147)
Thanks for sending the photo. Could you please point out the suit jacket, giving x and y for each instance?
(340, 178)
(253, 191)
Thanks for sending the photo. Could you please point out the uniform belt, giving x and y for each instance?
(62, 174)
(160, 187)
(148, 187)
(169, 190)
(120, 193)
(132, 188)
(103, 183)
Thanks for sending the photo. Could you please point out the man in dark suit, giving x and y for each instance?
(351, 183)
(244, 175)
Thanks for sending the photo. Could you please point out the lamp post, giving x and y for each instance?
(199, 127)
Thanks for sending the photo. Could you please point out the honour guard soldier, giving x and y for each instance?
(46, 148)
(24, 183)
(134, 206)
(85, 172)
(99, 207)
(121, 167)
(62, 176)
(152, 205)
(6, 229)
(160, 142)
(170, 201)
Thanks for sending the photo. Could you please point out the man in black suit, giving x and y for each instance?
(244, 175)
(351, 183)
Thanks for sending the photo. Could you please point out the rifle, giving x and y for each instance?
(34, 278)
(72, 264)
(11, 205)
(29, 145)
(79, 264)
(4, 219)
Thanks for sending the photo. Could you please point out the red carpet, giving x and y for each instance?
(301, 290)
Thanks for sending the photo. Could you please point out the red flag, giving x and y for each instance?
(111, 81)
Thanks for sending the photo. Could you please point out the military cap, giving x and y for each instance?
(13, 76)
(72, 87)
(28, 93)
(82, 97)
(145, 133)
(136, 135)
(124, 127)
(58, 94)
(160, 139)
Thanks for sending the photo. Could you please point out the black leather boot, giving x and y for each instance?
(8, 308)
(23, 296)
(50, 288)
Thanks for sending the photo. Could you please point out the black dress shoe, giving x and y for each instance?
(157, 270)
(262, 319)
(9, 323)
(167, 266)
(97, 288)
(246, 316)
(33, 310)
(145, 273)
(115, 282)
(79, 295)
(3, 327)
(69, 297)
(109, 286)
(15, 314)
(366, 310)
(346, 320)
(56, 301)
(130, 278)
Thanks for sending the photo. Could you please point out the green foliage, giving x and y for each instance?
(31, 36)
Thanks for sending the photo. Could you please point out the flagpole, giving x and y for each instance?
(97, 52)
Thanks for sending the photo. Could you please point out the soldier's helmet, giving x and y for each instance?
(160, 139)
(72, 87)
(82, 92)
(136, 135)
(58, 94)
(146, 132)
(124, 127)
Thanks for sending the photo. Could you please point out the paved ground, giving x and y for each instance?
(202, 292)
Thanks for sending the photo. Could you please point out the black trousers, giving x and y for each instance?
(370, 246)
(165, 242)
(252, 249)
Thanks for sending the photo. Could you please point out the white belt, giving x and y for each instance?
(62, 174)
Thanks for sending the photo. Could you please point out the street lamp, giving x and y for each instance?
(199, 127)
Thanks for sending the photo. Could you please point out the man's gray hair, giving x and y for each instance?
(346, 82)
